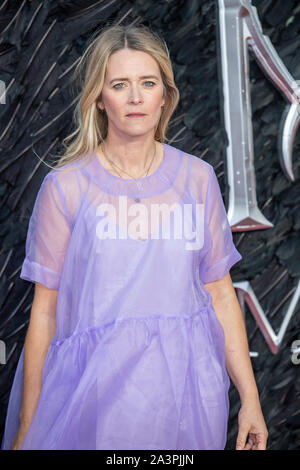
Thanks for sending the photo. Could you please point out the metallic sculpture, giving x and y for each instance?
(240, 29)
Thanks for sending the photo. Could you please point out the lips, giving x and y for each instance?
(136, 114)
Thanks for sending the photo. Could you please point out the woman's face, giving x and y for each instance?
(133, 84)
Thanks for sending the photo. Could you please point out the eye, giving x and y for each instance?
(117, 85)
(122, 83)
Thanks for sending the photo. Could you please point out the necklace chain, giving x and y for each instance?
(112, 162)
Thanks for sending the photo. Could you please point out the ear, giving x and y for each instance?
(100, 105)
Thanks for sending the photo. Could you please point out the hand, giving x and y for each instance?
(251, 421)
(19, 438)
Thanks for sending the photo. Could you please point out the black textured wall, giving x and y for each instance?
(40, 43)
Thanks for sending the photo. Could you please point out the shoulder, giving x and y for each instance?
(63, 174)
(199, 169)
(64, 184)
(66, 177)
(200, 175)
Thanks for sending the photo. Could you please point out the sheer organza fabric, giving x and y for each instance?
(138, 357)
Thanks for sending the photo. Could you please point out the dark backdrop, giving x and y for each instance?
(40, 43)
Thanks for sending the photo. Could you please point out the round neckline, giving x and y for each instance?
(142, 178)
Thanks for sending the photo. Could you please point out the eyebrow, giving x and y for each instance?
(142, 77)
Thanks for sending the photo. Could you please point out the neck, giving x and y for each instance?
(132, 158)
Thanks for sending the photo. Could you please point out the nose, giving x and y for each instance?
(135, 95)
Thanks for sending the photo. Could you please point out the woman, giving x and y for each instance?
(135, 321)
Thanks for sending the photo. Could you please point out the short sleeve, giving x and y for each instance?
(48, 236)
(221, 253)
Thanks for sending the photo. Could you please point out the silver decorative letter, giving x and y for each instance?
(239, 29)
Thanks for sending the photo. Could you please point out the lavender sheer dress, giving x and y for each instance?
(138, 357)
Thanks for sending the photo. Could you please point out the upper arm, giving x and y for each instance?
(219, 253)
(48, 236)
(45, 301)
(221, 288)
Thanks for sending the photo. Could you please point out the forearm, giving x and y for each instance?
(40, 332)
(238, 362)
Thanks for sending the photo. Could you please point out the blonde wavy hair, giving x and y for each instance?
(89, 75)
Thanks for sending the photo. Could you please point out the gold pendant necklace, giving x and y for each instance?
(138, 183)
